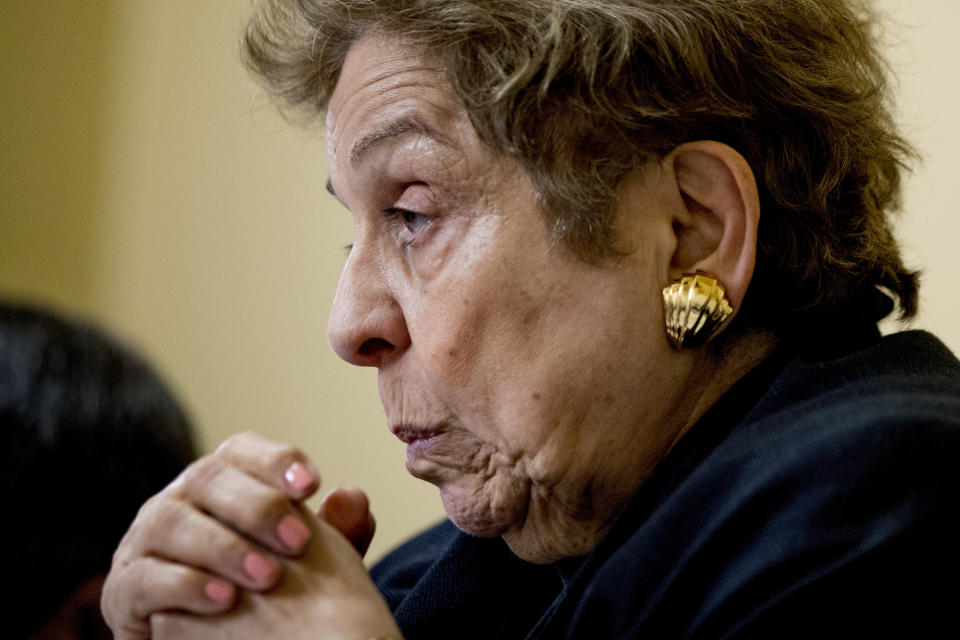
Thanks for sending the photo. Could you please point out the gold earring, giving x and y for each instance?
(695, 308)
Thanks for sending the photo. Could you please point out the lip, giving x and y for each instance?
(412, 434)
(419, 441)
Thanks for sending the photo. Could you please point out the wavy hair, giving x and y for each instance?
(582, 91)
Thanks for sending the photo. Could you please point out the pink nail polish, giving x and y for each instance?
(298, 476)
(219, 591)
(293, 532)
(258, 567)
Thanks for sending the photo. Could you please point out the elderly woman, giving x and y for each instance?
(619, 264)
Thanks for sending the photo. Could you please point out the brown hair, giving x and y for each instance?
(582, 91)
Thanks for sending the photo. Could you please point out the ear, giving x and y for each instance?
(715, 229)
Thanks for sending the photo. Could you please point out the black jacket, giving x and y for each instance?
(817, 499)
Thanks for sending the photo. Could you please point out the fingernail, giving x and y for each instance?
(293, 532)
(298, 476)
(258, 567)
(219, 591)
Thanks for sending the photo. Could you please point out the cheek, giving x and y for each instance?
(449, 340)
(460, 319)
(432, 252)
(472, 361)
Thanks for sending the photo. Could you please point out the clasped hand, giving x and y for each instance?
(228, 550)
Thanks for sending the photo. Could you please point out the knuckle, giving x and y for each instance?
(148, 509)
(228, 446)
(156, 523)
(137, 536)
(199, 474)
(156, 586)
(236, 443)
(125, 548)
(167, 516)
(138, 592)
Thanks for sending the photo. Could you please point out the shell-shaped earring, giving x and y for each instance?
(695, 308)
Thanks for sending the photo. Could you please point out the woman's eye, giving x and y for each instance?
(413, 221)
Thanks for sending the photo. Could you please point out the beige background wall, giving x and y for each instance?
(146, 183)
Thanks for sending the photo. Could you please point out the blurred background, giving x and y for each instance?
(148, 185)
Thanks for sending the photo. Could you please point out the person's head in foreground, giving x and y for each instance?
(545, 195)
(88, 433)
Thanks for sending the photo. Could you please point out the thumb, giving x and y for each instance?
(348, 511)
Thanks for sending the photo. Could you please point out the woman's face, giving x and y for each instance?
(525, 381)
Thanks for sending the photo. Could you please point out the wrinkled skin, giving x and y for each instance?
(203, 528)
(325, 593)
(509, 364)
(535, 390)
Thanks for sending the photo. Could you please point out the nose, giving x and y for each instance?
(366, 327)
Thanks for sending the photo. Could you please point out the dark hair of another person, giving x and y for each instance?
(580, 92)
(88, 434)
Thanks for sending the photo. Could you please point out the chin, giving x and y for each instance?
(533, 547)
(483, 512)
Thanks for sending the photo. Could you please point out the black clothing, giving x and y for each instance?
(814, 500)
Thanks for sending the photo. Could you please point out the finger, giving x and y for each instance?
(284, 467)
(152, 584)
(245, 504)
(174, 625)
(361, 542)
(169, 625)
(348, 511)
(177, 532)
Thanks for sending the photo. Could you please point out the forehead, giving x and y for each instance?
(386, 80)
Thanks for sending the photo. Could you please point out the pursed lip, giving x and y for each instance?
(421, 448)
(411, 434)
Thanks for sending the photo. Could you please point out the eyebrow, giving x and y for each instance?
(392, 129)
